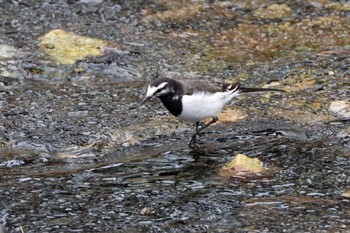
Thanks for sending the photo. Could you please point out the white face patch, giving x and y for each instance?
(151, 90)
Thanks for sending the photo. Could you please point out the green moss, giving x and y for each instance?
(209, 67)
(65, 47)
(275, 11)
(341, 6)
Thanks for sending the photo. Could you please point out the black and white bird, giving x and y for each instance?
(195, 100)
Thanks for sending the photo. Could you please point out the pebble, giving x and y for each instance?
(7, 51)
(2, 228)
(340, 108)
(78, 113)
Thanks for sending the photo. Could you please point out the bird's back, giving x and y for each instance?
(191, 86)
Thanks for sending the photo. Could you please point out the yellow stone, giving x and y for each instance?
(242, 164)
(346, 194)
(66, 47)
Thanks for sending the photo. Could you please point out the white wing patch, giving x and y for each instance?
(201, 105)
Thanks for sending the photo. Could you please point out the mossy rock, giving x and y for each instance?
(241, 165)
(275, 11)
(66, 47)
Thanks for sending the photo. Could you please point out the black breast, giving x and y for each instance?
(173, 103)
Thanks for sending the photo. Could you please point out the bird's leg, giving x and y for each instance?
(198, 129)
(215, 119)
(197, 125)
(192, 143)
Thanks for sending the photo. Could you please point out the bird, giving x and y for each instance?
(195, 100)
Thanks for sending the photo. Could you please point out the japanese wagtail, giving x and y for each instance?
(195, 100)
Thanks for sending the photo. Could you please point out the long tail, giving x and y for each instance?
(237, 87)
(248, 89)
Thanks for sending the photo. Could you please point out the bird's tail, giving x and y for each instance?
(237, 87)
(248, 89)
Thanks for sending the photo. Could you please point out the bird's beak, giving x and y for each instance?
(146, 99)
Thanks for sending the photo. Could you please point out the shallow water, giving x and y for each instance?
(160, 185)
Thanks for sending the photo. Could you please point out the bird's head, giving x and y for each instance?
(157, 88)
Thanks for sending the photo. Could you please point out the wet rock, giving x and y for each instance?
(7, 51)
(249, 41)
(176, 14)
(344, 134)
(156, 127)
(2, 229)
(340, 108)
(91, 2)
(331, 72)
(146, 211)
(12, 157)
(199, 13)
(222, 40)
(241, 165)
(346, 194)
(121, 73)
(81, 151)
(12, 163)
(306, 117)
(66, 48)
(78, 113)
(125, 137)
(286, 199)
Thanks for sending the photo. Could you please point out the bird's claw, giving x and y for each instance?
(192, 145)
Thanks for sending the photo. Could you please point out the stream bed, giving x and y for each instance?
(78, 153)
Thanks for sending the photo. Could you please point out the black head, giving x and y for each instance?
(159, 87)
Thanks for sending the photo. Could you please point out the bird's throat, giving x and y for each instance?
(173, 103)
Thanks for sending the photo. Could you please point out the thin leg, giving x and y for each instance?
(192, 143)
(215, 119)
(197, 125)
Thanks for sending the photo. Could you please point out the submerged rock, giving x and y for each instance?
(12, 157)
(241, 164)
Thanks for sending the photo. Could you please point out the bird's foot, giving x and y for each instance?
(192, 143)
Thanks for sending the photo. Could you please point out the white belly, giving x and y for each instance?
(202, 105)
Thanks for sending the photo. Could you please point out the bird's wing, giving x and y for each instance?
(202, 85)
(192, 86)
